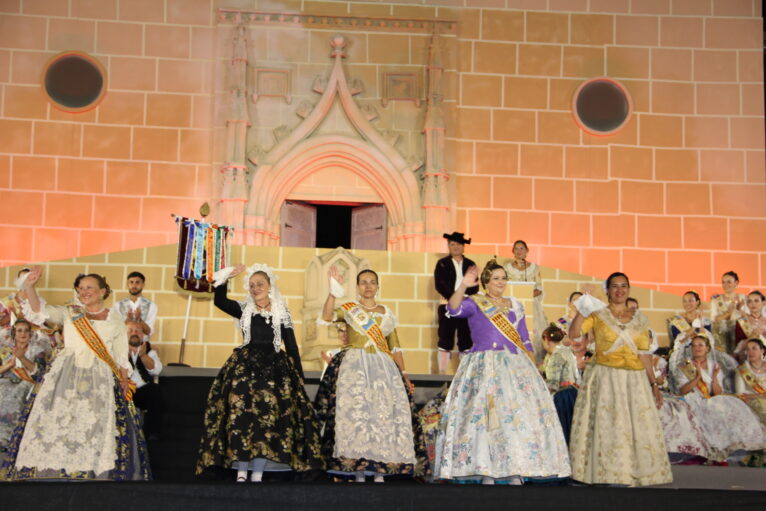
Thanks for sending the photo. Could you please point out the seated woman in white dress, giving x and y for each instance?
(20, 366)
(78, 424)
(728, 423)
(685, 325)
(751, 388)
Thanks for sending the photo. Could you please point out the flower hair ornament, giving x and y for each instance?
(278, 316)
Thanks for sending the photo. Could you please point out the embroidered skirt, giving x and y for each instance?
(683, 433)
(77, 425)
(368, 417)
(616, 432)
(258, 408)
(728, 423)
(499, 421)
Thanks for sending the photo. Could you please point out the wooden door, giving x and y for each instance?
(299, 225)
(368, 227)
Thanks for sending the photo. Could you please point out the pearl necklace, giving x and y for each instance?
(369, 308)
(95, 313)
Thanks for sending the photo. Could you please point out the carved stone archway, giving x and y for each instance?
(255, 184)
(399, 190)
(370, 156)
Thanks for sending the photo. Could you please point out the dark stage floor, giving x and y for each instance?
(174, 488)
(353, 496)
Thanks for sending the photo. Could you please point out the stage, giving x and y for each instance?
(174, 487)
(283, 496)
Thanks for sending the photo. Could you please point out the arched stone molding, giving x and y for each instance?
(298, 154)
(399, 190)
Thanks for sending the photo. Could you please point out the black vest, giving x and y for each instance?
(139, 365)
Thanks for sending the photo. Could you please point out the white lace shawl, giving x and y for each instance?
(278, 316)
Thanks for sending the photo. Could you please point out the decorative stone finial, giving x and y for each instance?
(337, 43)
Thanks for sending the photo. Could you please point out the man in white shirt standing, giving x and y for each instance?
(146, 367)
(136, 307)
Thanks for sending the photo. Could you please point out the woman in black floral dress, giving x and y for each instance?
(258, 415)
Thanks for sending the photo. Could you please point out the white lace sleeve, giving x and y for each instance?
(36, 318)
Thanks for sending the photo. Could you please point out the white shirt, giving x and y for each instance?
(151, 316)
(136, 376)
(458, 272)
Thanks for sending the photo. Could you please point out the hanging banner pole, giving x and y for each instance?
(203, 249)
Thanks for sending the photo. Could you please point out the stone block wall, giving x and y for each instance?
(407, 287)
(674, 199)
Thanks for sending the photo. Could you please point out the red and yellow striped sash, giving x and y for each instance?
(368, 325)
(502, 323)
(94, 342)
(691, 372)
(750, 379)
(23, 374)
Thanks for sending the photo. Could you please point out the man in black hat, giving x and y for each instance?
(448, 275)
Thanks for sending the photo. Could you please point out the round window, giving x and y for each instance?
(74, 81)
(601, 106)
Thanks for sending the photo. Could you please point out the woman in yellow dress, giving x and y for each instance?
(616, 432)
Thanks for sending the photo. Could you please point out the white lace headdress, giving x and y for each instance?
(277, 316)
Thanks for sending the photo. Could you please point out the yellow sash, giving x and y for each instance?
(680, 323)
(750, 379)
(94, 342)
(691, 372)
(503, 325)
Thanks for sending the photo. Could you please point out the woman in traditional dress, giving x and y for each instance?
(728, 423)
(364, 400)
(16, 306)
(750, 324)
(616, 433)
(684, 436)
(751, 388)
(521, 270)
(498, 421)
(258, 416)
(725, 309)
(751, 378)
(685, 325)
(561, 375)
(19, 367)
(79, 424)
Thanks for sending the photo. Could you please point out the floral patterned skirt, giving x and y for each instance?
(682, 430)
(616, 432)
(369, 422)
(258, 408)
(59, 435)
(499, 421)
(728, 423)
(13, 395)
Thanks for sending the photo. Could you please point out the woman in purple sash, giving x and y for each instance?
(498, 421)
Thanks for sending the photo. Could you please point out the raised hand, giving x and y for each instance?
(471, 277)
(590, 289)
(237, 270)
(33, 276)
(335, 274)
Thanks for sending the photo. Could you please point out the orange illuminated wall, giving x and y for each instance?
(675, 199)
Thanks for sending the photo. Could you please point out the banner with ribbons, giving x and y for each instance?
(203, 249)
